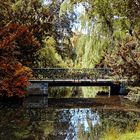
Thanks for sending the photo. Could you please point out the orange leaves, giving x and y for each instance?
(21, 77)
(22, 70)
(15, 39)
(13, 32)
(16, 84)
(4, 66)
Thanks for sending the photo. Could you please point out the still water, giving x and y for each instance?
(100, 118)
(69, 124)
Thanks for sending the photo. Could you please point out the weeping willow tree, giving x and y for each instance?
(111, 36)
(90, 40)
(90, 50)
(109, 25)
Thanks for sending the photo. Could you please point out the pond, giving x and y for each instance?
(74, 114)
(99, 118)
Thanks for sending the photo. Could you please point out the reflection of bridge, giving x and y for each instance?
(74, 77)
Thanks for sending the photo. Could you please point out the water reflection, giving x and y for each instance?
(80, 119)
(76, 92)
(66, 124)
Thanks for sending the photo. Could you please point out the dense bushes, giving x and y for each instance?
(15, 40)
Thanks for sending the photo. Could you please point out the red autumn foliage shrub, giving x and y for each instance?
(15, 79)
(14, 39)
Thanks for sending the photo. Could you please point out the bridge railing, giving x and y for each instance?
(70, 73)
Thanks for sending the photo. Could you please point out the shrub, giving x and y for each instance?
(14, 40)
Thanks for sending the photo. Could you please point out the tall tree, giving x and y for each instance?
(114, 24)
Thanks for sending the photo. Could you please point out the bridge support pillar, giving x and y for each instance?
(115, 89)
(118, 89)
(37, 95)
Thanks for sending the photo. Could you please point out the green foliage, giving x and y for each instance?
(60, 92)
(64, 7)
(50, 42)
(113, 134)
(91, 92)
(106, 27)
(48, 56)
(90, 50)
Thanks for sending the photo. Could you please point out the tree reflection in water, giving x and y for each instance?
(80, 119)
(65, 124)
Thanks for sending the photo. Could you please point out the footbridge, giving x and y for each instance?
(74, 77)
(70, 76)
(44, 77)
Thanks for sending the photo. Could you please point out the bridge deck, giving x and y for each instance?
(72, 82)
(74, 77)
